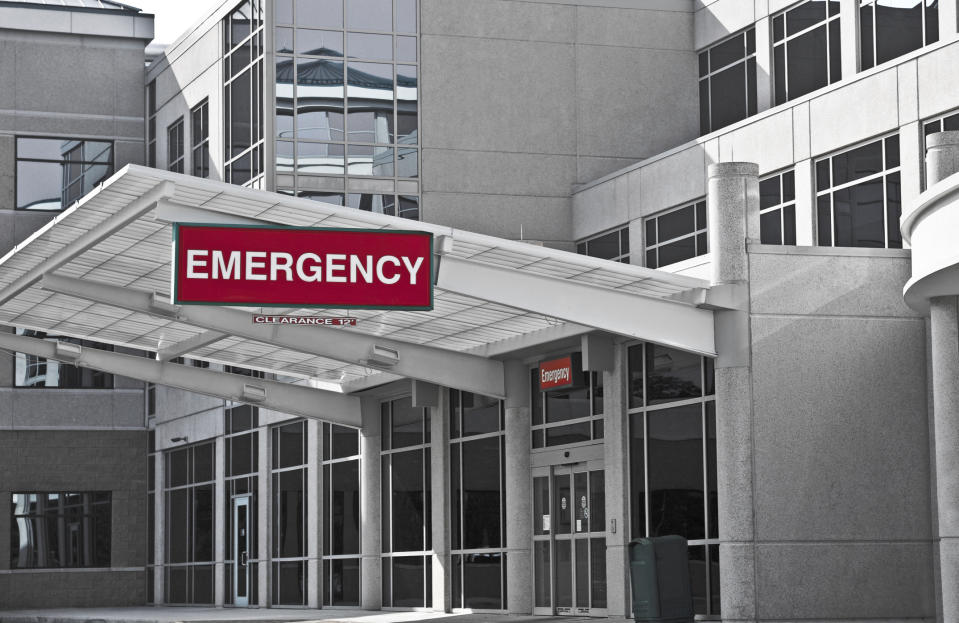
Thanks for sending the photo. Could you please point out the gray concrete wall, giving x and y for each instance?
(46, 461)
(188, 73)
(843, 522)
(522, 100)
(84, 80)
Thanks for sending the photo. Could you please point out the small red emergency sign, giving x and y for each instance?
(302, 267)
(556, 373)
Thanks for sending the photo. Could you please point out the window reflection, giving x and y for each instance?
(52, 173)
(34, 371)
(348, 118)
(60, 530)
(891, 28)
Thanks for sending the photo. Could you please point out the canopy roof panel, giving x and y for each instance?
(120, 236)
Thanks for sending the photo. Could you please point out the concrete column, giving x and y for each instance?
(159, 528)
(942, 156)
(219, 521)
(733, 204)
(263, 503)
(764, 64)
(519, 527)
(314, 512)
(616, 461)
(440, 509)
(942, 160)
(944, 317)
(849, 37)
(371, 569)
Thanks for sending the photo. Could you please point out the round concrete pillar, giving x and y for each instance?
(942, 160)
(942, 156)
(733, 204)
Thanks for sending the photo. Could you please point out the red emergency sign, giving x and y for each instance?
(302, 267)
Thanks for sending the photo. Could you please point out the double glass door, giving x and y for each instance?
(569, 540)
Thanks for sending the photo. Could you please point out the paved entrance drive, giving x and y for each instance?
(262, 615)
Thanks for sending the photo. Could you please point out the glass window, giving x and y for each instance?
(406, 499)
(565, 416)
(189, 491)
(52, 173)
(33, 371)
(151, 101)
(858, 196)
(346, 97)
(891, 28)
(341, 515)
(175, 147)
(478, 500)
(60, 530)
(289, 540)
(243, 94)
(727, 81)
(777, 209)
(806, 48)
(200, 138)
(612, 245)
(676, 235)
(672, 449)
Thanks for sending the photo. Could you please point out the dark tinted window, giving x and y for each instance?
(50, 530)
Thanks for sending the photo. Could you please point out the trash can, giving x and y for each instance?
(659, 574)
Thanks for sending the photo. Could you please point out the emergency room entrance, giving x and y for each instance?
(569, 539)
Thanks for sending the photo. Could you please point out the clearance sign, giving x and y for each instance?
(302, 267)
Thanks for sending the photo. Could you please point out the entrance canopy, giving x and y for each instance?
(101, 271)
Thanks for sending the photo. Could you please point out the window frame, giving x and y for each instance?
(582, 245)
(781, 206)
(63, 494)
(200, 165)
(151, 106)
(17, 159)
(695, 234)
(831, 188)
(641, 412)
(176, 146)
(864, 5)
(748, 36)
(783, 43)
(457, 439)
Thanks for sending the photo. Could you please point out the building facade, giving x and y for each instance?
(746, 370)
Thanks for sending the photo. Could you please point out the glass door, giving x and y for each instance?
(569, 540)
(241, 550)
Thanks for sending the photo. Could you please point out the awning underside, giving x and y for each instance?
(120, 236)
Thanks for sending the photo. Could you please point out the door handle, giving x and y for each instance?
(243, 559)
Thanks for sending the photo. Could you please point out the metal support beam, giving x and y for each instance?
(132, 211)
(189, 345)
(665, 322)
(443, 367)
(169, 211)
(283, 397)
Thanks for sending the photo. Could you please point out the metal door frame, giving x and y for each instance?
(238, 501)
(550, 472)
